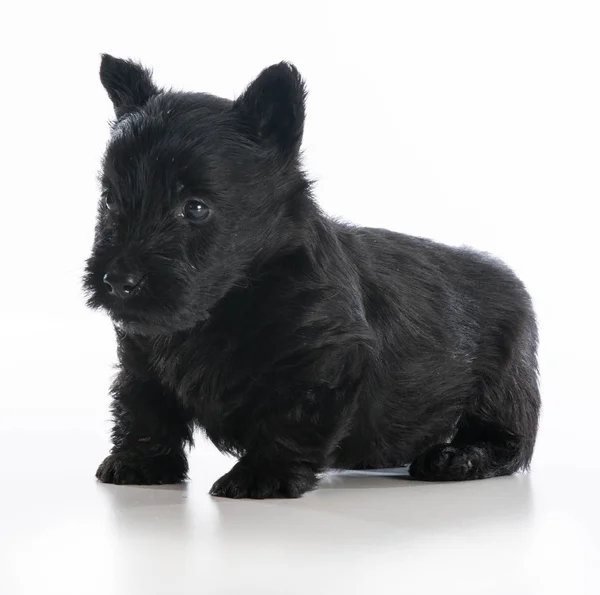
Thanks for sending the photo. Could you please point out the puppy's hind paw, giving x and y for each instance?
(445, 462)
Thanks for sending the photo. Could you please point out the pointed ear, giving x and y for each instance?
(128, 84)
(272, 107)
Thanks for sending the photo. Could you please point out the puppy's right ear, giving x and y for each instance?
(272, 107)
(128, 84)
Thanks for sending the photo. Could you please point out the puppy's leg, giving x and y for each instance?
(289, 449)
(496, 437)
(149, 434)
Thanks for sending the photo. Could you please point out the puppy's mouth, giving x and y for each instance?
(157, 324)
(134, 324)
(121, 318)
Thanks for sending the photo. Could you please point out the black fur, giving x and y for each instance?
(295, 342)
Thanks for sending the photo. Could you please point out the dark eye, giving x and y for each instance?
(110, 203)
(195, 209)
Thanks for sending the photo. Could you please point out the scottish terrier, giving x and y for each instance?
(295, 342)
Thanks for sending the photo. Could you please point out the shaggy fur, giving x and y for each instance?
(295, 342)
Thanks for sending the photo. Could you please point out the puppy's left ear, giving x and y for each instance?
(272, 108)
(128, 84)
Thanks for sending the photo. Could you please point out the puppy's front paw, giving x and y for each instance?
(259, 482)
(134, 469)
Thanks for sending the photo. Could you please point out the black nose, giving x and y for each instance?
(122, 284)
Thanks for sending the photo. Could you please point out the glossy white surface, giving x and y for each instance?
(467, 122)
(63, 533)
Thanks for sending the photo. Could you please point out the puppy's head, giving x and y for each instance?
(195, 188)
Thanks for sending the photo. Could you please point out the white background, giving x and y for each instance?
(468, 122)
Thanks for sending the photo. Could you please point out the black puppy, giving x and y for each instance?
(295, 342)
